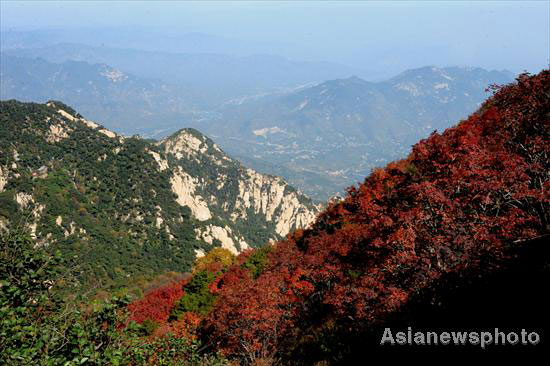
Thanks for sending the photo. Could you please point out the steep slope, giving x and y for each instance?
(460, 208)
(127, 206)
(340, 129)
(246, 195)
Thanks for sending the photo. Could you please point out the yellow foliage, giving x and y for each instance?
(217, 257)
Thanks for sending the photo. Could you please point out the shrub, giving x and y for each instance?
(197, 298)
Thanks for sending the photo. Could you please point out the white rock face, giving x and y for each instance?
(292, 216)
(163, 164)
(410, 88)
(183, 185)
(57, 133)
(33, 227)
(266, 195)
(263, 193)
(441, 86)
(3, 225)
(3, 178)
(67, 115)
(223, 234)
(71, 231)
(114, 75)
(267, 130)
(108, 133)
(244, 245)
(23, 200)
(89, 123)
(185, 144)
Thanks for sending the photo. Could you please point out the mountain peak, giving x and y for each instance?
(356, 78)
(191, 142)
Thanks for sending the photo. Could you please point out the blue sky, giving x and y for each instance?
(490, 34)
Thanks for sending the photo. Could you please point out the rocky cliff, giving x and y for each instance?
(227, 189)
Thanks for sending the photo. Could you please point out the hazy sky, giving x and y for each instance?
(490, 34)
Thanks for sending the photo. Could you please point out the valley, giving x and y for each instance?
(321, 136)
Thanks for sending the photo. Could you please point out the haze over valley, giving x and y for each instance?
(316, 124)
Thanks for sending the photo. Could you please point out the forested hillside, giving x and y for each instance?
(459, 208)
(121, 207)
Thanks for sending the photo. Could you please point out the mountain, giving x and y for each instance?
(106, 93)
(453, 237)
(211, 77)
(126, 206)
(332, 134)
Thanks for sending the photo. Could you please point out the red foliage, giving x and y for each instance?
(157, 304)
(184, 327)
(457, 202)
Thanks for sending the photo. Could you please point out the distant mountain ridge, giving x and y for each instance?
(147, 39)
(98, 90)
(212, 77)
(340, 129)
(321, 137)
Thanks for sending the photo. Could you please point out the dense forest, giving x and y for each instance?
(457, 208)
(454, 235)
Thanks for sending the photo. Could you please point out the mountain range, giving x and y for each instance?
(326, 137)
(450, 235)
(139, 38)
(97, 90)
(320, 136)
(211, 77)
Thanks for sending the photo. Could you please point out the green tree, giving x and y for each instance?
(38, 327)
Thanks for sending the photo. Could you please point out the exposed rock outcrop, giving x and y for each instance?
(3, 178)
(227, 188)
(184, 186)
